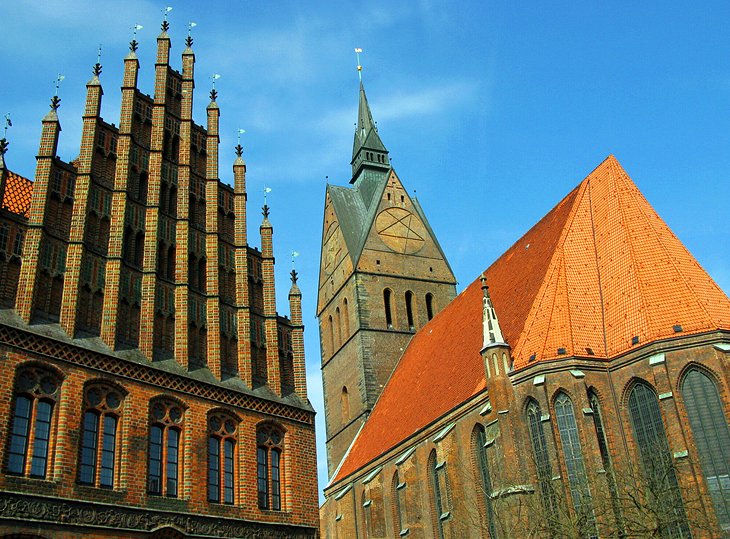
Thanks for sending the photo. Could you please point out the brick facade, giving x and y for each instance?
(136, 278)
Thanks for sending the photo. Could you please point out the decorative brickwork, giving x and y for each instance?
(137, 285)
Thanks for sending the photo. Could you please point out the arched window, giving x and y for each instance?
(36, 393)
(166, 422)
(429, 305)
(656, 461)
(605, 457)
(388, 312)
(102, 407)
(330, 335)
(269, 460)
(573, 455)
(338, 323)
(345, 404)
(409, 310)
(479, 440)
(366, 515)
(540, 454)
(221, 458)
(712, 438)
(399, 519)
(346, 317)
(435, 472)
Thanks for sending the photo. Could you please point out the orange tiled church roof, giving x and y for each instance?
(598, 270)
(18, 193)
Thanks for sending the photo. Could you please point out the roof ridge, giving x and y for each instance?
(663, 246)
(602, 299)
(531, 318)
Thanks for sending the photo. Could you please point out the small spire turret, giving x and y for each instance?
(492, 331)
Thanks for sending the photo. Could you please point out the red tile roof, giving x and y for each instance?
(18, 193)
(600, 268)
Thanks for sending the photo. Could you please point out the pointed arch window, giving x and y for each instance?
(36, 394)
(269, 459)
(387, 294)
(338, 323)
(429, 305)
(345, 404)
(574, 464)
(346, 317)
(221, 458)
(330, 335)
(540, 454)
(166, 424)
(605, 457)
(656, 461)
(98, 455)
(437, 476)
(712, 438)
(409, 310)
(399, 518)
(480, 456)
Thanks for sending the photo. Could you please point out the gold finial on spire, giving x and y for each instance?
(358, 50)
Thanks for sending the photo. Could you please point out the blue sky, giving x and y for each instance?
(492, 111)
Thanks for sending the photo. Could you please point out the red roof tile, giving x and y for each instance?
(18, 193)
(600, 268)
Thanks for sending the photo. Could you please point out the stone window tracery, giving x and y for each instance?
(97, 460)
(269, 459)
(166, 424)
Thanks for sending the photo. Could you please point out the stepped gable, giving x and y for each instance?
(18, 193)
(600, 268)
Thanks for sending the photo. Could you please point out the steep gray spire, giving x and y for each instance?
(367, 149)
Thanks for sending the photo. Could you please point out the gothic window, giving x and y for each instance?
(170, 264)
(338, 323)
(166, 418)
(36, 393)
(429, 305)
(480, 453)
(102, 406)
(439, 514)
(573, 455)
(4, 233)
(388, 312)
(656, 461)
(605, 456)
(345, 404)
(269, 459)
(399, 518)
(540, 454)
(330, 334)
(139, 249)
(346, 317)
(409, 310)
(221, 458)
(712, 438)
(367, 515)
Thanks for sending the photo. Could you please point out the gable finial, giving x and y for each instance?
(133, 44)
(189, 39)
(165, 25)
(265, 211)
(239, 148)
(97, 66)
(294, 276)
(358, 50)
(213, 93)
(8, 124)
(55, 100)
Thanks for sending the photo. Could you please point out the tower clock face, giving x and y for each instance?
(400, 230)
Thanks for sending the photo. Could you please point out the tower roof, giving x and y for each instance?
(600, 269)
(367, 147)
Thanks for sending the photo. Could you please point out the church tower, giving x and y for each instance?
(382, 277)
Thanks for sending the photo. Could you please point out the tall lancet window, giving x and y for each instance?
(479, 442)
(387, 293)
(712, 438)
(540, 454)
(573, 455)
(656, 462)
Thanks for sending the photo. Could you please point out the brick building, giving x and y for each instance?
(579, 388)
(150, 388)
